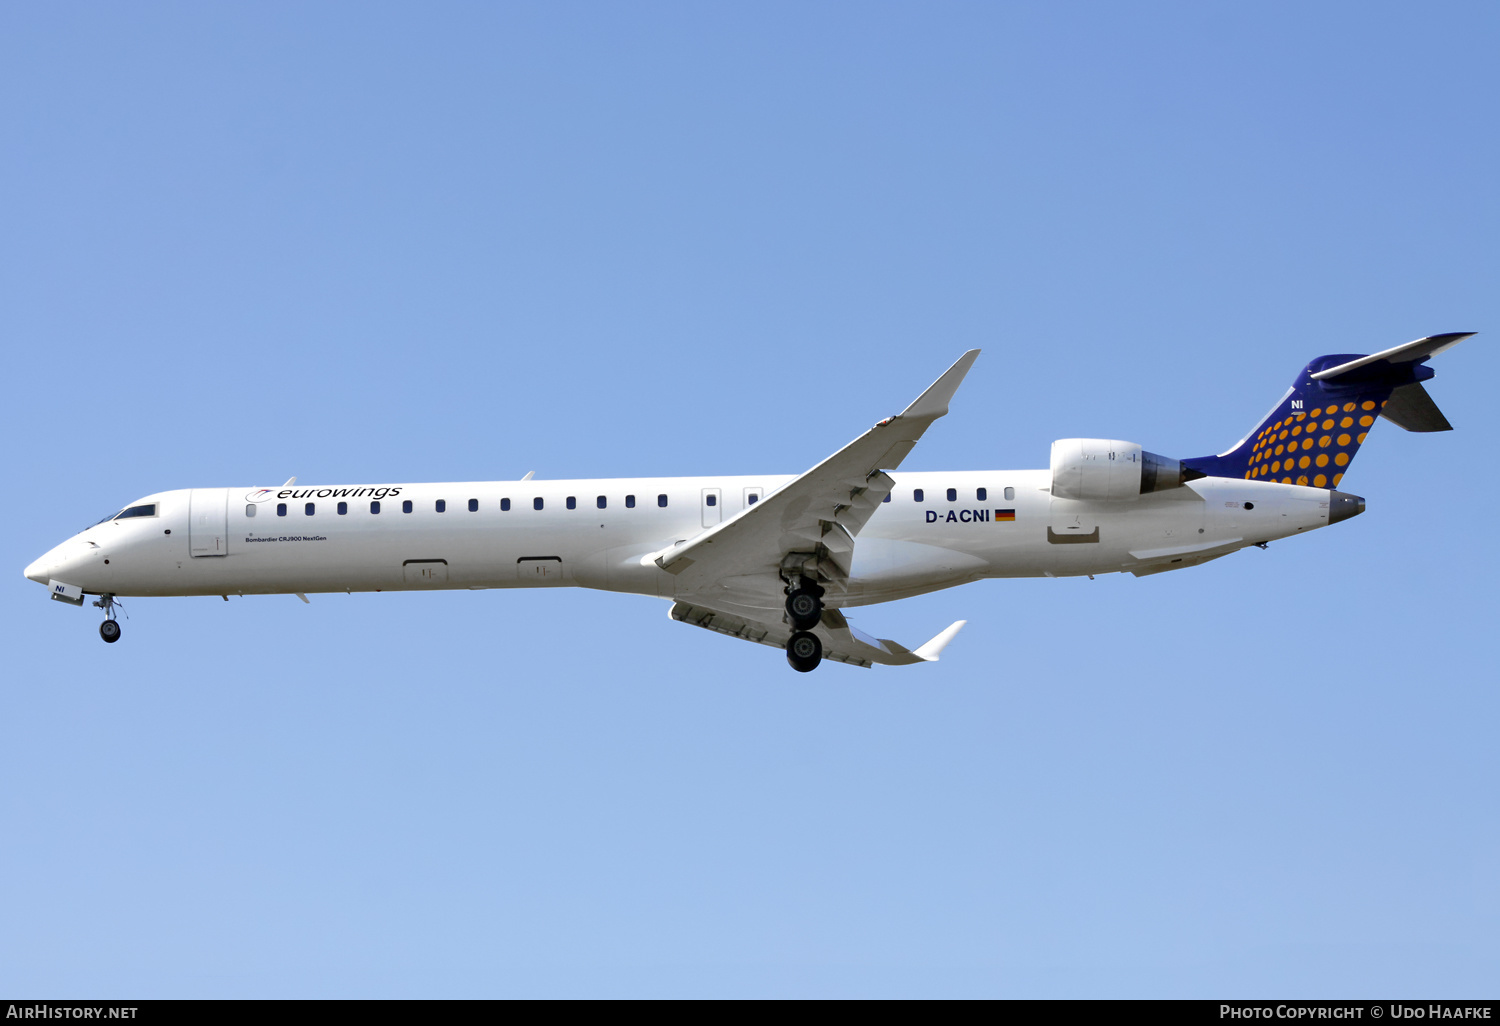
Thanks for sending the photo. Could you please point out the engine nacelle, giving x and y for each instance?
(1107, 469)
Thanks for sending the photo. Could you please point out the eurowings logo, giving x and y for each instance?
(259, 495)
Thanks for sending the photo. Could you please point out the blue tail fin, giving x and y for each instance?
(1312, 434)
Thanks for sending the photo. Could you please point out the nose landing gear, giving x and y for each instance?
(109, 630)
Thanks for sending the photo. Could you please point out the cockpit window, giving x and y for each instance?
(148, 510)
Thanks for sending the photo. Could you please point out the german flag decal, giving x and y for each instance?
(1005, 515)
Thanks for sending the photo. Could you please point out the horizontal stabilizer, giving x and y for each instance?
(1410, 407)
(1411, 352)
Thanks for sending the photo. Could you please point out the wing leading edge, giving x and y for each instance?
(813, 519)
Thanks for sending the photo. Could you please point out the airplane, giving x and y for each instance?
(775, 560)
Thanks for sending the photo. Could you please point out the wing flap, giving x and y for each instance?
(841, 642)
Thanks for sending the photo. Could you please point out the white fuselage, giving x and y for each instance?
(231, 541)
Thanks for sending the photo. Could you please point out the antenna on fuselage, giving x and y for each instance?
(290, 481)
(528, 475)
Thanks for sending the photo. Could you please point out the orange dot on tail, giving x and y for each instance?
(1348, 407)
(1322, 459)
(1302, 479)
(1360, 438)
(1336, 479)
(1367, 405)
(1342, 459)
(1320, 480)
(1347, 422)
(1344, 439)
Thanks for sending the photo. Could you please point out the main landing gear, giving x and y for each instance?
(804, 605)
(804, 611)
(109, 630)
(804, 651)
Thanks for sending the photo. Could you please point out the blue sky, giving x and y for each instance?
(359, 242)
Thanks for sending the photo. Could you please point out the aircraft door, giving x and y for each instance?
(540, 571)
(713, 507)
(427, 573)
(208, 522)
(1072, 521)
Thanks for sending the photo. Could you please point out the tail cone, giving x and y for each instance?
(1342, 506)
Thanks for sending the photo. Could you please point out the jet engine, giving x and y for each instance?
(1106, 469)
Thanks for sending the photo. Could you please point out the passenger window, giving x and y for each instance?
(952, 494)
(572, 502)
(504, 505)
(601, 502)
(343, 509)
(374, 507)
(442, 505)
(406, 505)
(754, 498)
(536, 503)
(981, 494)
(713, 500)
(473, 505)
(630, 502)
(250, 510)
(281, 509)
(1010, 493)
(309, 509)
(917, 494)
(661, 500)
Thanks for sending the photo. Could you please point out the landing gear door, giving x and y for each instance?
(208, 522)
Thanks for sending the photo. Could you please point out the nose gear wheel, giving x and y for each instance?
(109, 630)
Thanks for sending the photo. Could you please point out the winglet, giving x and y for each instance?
(930, 651)
(933, 403)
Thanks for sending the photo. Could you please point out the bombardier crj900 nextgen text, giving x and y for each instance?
(776, 560)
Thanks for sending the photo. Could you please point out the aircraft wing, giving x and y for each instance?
(841, 642)
(813, 518)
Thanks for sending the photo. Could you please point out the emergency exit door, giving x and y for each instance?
(208, 522)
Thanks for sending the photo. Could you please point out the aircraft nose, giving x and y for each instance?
(1342, 506)
(40, 570)
(54, 563)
